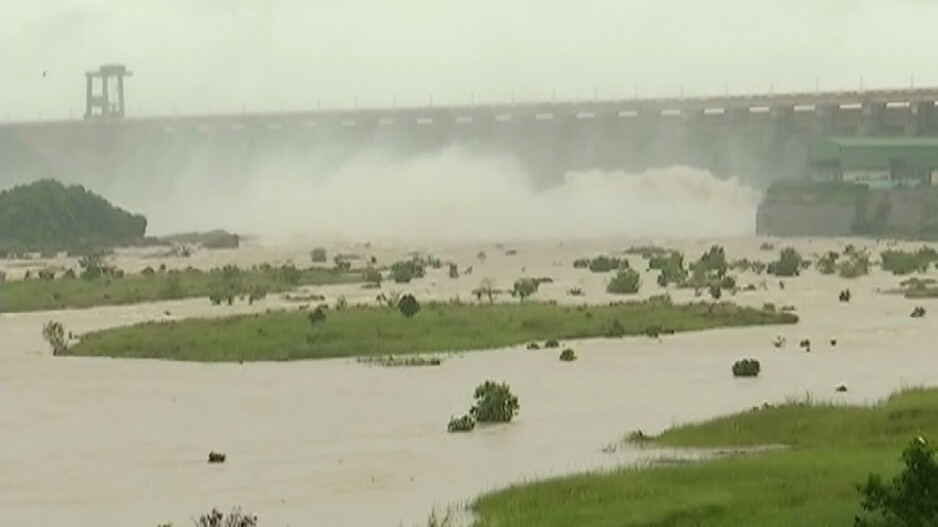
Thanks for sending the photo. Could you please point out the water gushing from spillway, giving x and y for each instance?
(453, 194)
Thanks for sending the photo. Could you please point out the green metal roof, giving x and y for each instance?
(876, 153)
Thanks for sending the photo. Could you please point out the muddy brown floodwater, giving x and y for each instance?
(100, 442)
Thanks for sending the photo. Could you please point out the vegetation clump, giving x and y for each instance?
(746, 265)
(235, 518)
(216, 457)
(317, 316)
(845, 296)
(918, 312)
(398, 361)
(827, 264)
(856, 264)
(408, 305)
(625, 282)
(568, 355)
(494, 403)
(466, 423)
(907, 262)
(525, 287)
(789, 263)
(54, 333)
(604, 264)
(551, 343)
(318, 255)
(404, 271)
(746, 368)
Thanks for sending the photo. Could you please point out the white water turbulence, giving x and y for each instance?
(452, 195)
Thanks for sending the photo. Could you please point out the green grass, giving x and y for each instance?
(832, 449)
(439, 327)
(62, 292)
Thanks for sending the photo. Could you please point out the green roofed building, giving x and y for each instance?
(875, 162)
(873, 186)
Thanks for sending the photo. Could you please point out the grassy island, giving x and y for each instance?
(831, 450)
(439, 327)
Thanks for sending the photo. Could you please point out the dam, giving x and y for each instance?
(759, 138)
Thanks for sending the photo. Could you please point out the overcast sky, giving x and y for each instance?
(202, 55)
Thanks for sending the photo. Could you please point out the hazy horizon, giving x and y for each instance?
(267, 55)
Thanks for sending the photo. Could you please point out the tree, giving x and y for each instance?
(54, 334)
(318, 255)
(408, 305)
(494, 403)
(788, 264)
(626, 282)
(910, 499)
(525, 287)
(486, 288)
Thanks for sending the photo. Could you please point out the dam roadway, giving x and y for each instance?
(759, 137)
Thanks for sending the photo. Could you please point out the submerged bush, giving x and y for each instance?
(551, 343)
(568, 355)
(626, 282)
(604, 264)
(789, 263)
(54, 333)
(907, 262)
(494, 403)
(918, 312)
(406, 270)
(746, 368)
(235, 518)
(827, 264)
(858, 264)
(525, 287)
(466, 423)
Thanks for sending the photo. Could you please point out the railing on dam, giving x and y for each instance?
(913, 111)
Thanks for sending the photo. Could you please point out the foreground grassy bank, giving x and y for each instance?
(117, 289)
(812, 483)
(438, 327)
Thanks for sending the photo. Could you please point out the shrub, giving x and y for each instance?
(858, 264)
(341, 303)
(581, 263)
(907, 262)
(408, 305)
(257, 292)
(235, 518)
(626, 282)
(568, 355)
(533, 346)
(466, 423)
(46, 274)
(712, 262)
(147, 271)
(551, 343)
(318, 255)
(316, 316)
(406, 270)
(54, 333)
(746, 368)
(910, 499)
(604, 264)
(525, 287)
(671, 266)
(453, 271)
(788, 264)
(827, 264)
(494, 403)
